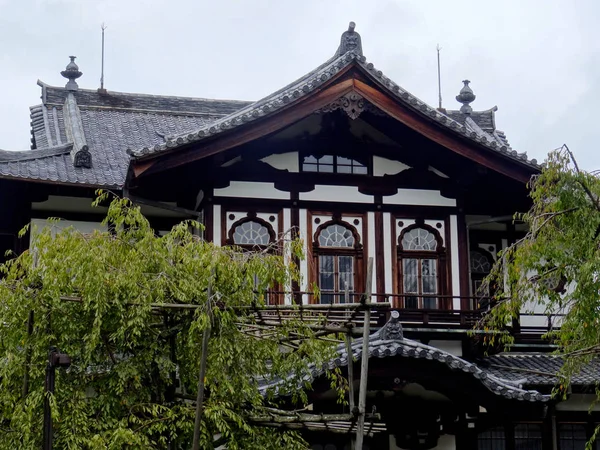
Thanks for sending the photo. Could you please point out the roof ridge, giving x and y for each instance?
(174, 97)
(7, 156)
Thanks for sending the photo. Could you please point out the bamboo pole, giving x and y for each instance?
(364, 363)
(201, 376)
(350, 370)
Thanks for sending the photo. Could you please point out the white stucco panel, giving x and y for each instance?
(251, 189)
(38, 225)
(384, 166)
(420, 197)
(283, 161)
(346, 194)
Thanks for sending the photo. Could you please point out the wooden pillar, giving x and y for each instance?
(463, 260)
(379, 255)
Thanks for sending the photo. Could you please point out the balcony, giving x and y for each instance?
(346, 309)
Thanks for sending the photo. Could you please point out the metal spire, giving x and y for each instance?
(102, 68)
(439, 77)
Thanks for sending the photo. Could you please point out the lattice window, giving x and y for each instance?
(336, 236)
(419, 239)
(528, 436)
(480, 263)
(333, 164)
(251, 233)
(493, 439)
(572, 436)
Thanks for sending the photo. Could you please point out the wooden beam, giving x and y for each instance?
(433, 132)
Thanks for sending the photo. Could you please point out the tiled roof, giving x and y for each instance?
(111, 123)
(312, 81)
(538, 368)
(389, 341)
(104, 125)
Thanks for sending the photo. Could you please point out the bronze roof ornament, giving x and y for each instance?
(72, 72)
(466, 96)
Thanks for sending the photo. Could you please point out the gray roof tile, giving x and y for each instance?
(538, 368)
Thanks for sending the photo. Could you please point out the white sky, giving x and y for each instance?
(538, 60)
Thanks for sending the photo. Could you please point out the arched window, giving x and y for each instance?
(251, 232)
(336, 249)
(420, 272)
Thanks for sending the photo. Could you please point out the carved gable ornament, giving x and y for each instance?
(352, 104)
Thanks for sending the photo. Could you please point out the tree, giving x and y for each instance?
(130, 309)
(556, 265)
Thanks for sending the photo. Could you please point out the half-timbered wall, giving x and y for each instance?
(377, 223)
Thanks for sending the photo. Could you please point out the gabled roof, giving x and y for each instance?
(478, 126)
(115, 126)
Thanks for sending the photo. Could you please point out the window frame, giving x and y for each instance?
(363, 160)
(356, 251)
(251, 247)
(439, 254)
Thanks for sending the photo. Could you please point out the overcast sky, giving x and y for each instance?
(537, 60)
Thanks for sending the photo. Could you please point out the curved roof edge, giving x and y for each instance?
(389, 341)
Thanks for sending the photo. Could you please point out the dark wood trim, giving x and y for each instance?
(379, 255)
(449, 251)
(209, 212)
(463, 259)
(295, 224)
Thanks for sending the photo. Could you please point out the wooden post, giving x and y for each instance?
(364, 363)
(350, 368)
(203, 359)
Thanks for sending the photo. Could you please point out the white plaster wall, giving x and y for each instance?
(283, 161)
(446, 442)
(419, 197)
(579, 402)
(348, 194)
(455, 261)
(452, 347)
(84, 227)
(384, 166)
(217, 225)
(371, 244)
(250, 189)
(387, 252)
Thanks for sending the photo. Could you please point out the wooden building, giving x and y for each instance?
(358, 167)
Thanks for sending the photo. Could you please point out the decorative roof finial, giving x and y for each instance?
(466, 96)
(350, 41)
(72, 73)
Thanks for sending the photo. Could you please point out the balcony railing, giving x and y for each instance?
(343, 310)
